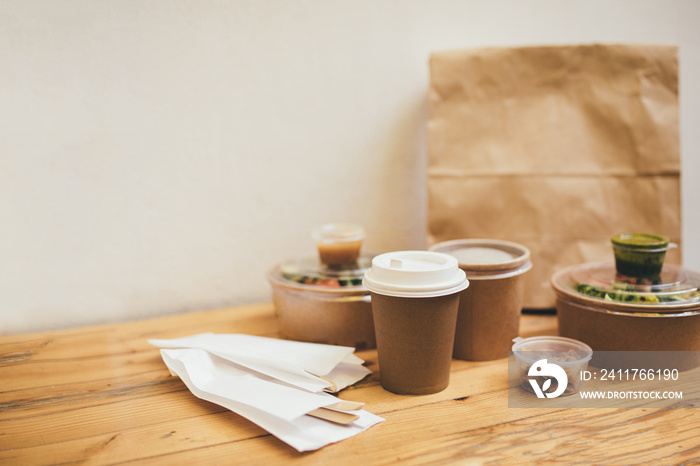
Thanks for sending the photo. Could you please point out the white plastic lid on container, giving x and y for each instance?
(415, 274)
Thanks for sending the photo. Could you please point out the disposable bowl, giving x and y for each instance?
(321, 304)
(632, 316)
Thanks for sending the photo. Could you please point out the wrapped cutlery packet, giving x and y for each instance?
(285, 387)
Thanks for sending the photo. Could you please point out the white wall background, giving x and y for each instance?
(158, 156)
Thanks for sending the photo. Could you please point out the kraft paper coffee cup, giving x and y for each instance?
(489, 310)
(415, 299)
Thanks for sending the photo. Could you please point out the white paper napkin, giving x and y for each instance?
(250, 376)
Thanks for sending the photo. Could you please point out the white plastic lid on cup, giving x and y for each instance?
(415, 274)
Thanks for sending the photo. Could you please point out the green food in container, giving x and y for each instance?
(632, 294)
(640, 255)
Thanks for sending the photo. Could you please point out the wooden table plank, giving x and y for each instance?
(102, 395)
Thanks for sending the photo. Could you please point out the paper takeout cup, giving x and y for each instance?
(415, 298)
(490, 308)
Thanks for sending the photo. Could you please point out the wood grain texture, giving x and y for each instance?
(102, 395)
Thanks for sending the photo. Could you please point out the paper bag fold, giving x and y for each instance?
(556, 148)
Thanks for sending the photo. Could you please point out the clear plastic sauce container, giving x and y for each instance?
(570, 355)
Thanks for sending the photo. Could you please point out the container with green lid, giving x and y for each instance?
(640, 255)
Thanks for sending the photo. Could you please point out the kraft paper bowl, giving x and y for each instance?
(610, 316)
(320, 304)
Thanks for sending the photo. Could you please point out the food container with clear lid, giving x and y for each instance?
(570, 355)
(338, 243)
(319, 303)
(640, 255)
(611, 312)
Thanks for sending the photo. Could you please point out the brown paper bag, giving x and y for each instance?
(556, 148)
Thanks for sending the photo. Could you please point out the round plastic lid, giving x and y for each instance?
(310, 273)
(338, 233)
(415, 274)
(642, 241)
(567, 350)
(675, 288)
(487, 258)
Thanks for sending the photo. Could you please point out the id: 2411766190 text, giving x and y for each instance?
(631, 374)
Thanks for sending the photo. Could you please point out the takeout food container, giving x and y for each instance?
(569, 354)
(614, 313)
(640, 255)
(490, 308)
(338, 243)
(322, 304)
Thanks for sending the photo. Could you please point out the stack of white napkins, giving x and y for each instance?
(274, 383)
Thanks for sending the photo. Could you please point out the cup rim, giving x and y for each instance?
(650, 243)
(520, 262)
(581, 346)
(331, 233)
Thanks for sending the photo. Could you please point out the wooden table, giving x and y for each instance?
(102, 395)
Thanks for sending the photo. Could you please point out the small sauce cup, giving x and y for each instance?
(640, 255)
(570, 355)
(338, 243)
